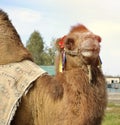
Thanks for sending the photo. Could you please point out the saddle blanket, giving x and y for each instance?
(15, 80)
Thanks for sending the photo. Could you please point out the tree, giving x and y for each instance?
(36, 47)
(51, 51)
(42, 55)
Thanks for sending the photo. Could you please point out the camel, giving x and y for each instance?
(74, 96)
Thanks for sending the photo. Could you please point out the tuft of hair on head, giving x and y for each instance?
(78, 28)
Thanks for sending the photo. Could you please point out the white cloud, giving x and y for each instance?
(25, 20)
(24, 15)
(27, 16)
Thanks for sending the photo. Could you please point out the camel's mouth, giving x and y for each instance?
(90, 53)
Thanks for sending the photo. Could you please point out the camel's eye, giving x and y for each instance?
(69, 43)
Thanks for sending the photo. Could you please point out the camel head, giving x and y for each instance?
(11, 47)
(79, 47)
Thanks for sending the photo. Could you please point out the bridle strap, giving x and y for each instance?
(62, 62)
(72, 53)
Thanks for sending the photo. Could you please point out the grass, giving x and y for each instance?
(112, 115)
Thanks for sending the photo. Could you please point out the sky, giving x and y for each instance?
(54, 18)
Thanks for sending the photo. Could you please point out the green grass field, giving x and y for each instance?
(112, 115)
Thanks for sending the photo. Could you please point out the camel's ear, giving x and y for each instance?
(98, 38)
(60, 43)
(69, 43)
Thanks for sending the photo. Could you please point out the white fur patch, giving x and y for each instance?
(87, 53)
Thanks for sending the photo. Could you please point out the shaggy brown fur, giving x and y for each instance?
(65, 99)
(13, 49)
